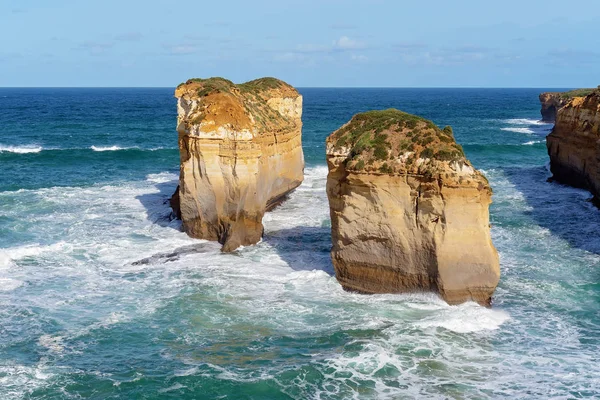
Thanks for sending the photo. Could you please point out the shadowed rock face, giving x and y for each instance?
(574, 143)
(409, 213)
(241, 153)
(554, 101)
(551, 102)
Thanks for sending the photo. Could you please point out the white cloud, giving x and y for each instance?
(311, 53)
(345, 43)
(422, 55)
(359, 58)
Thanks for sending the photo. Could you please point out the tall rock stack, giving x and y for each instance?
(241, 154)
(409, 212)
(574, 143)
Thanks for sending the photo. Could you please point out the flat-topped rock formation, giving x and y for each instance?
(574, 143)
(553, 101)
(241, 154)
(409, 212)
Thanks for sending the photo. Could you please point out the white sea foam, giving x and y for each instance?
(176, 386)
(466, 318)
(17, 380)
(110, 148)
(283, 289)
(162, 177)
(8, 284)
(36, 149)
(20, 149)
(15, 253)
(5, 260)
(526, 121)
(527, 126)
(518, 130)
(532, 142)
(52, 343)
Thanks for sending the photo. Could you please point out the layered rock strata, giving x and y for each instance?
(241, 154)
(554, 101)
(574, 143)
(409, 212)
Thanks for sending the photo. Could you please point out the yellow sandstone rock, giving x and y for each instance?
(409, 213)
(574, 143)
(241, 154)
(554, 101)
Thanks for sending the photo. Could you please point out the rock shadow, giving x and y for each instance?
(158, 209)
(304, 248)
(565, 211)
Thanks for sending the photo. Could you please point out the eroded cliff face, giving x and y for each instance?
(241, 154)
(554, 101)
(551, 102)
(409, 213)
(574, 143)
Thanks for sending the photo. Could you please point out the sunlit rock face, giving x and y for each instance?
(554, 101)
(241, 154)
(574, 143)
(409, 213)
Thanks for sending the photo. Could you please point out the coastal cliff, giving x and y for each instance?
(409, 213)
(554, 101)
(241, 154)
(574, 143)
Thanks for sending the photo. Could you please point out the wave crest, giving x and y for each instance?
(20, 149)
(110, 148)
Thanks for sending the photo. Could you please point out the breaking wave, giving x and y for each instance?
(20, 149)
(111, 148)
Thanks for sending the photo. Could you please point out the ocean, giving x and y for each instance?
(103, 297)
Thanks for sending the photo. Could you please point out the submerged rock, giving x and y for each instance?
(574, 143)
(241, 154)
(408, 211)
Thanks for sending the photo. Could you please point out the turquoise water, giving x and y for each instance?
(101, 295)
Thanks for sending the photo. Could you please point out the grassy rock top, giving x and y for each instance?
(391, 141)
(205, 87)
(576, 93)
(238, 106)
(572, 93)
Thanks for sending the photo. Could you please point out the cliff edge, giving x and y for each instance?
(241, 154)
(554, 101)
(409, 212)
(574, 143)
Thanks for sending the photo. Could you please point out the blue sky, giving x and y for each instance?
(335, 43)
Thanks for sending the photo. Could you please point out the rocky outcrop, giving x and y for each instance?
(409, 212)
(241, 153)
(574, 143)
(553, 101)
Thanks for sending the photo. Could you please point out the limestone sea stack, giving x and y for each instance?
(409, 213)
(554, 101)
(241, 154)
(574, 143)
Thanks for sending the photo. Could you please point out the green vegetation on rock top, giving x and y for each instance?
(377, 137)
(252, 97)
(262, 84)
(210, 85)
(576, 93)
(222, 85)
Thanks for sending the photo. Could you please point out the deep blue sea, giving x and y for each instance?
(84, 179)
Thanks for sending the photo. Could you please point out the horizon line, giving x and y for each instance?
(302, 87)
